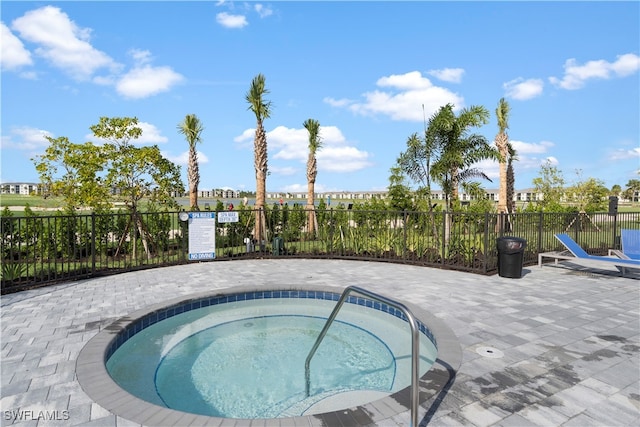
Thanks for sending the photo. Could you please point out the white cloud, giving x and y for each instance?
(291, 144)
(13, 54)
(528, 158)
(302, 188)
(576, 75)
(531, 148)
(245, 139)
(337, 102)
(288, 143)
(140, 57)
(626, 65)
(342, 159)
(490, 168)
(286, 170)
(523, 89)
(143, 81)
(62, 42)
(452, 75)
(624, 154)
(231, 21)
(409, 81)
(404, 100)
(26, 138)
(262, 10)
(67, 46)
(150, 134)
(295, 188)
(183, 158)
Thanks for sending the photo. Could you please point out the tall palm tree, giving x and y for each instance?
(262, 110)
(315, 143)
(502, 144)
(511, 180)
(191, 128)
(459, 150)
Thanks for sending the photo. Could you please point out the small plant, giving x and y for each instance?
(13, 271)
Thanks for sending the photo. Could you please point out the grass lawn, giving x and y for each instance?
(38, 202)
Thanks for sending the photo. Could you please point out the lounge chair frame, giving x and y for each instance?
(576, 254)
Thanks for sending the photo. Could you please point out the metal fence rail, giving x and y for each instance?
(39, 250)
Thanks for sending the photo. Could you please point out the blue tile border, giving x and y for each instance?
(99, 386)
(144, 322)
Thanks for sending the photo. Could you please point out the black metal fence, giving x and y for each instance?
(39, 250)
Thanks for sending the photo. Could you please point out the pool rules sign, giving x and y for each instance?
(202, 235)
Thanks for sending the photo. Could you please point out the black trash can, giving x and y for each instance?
(510, 256)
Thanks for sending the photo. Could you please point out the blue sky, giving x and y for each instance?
(364, 70)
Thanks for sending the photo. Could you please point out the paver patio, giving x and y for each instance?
(570, 338)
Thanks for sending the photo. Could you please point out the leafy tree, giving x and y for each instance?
(315, 144)
(262, 110)
(399, 192)
(191, 128)
(73, 172)
(616, 189)
(136, 172)
(32, 229)
(8, 230)
(550, 183)
(416, 162)
(589, 195)
(632, 188)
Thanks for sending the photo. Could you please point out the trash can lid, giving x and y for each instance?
(510, 243)
(511, 238)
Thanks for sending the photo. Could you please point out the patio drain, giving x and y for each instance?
(490, 352)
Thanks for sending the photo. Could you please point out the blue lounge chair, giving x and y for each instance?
(630, 240)
(578, 255)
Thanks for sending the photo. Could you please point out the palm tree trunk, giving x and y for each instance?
(501, 144)
(503, 201)
(261, 184)
(193, 173)
(312, 226)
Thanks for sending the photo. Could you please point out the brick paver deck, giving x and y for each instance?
(569, 339)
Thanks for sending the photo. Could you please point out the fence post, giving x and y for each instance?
(540, 228)
(331, 228)
(615, 229)
(404, 238)
(93, 243)
(486, 241)
(444, 236)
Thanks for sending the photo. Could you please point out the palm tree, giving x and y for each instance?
(262, 110)
(192, 129)
(502, 144)
(315, 143)
(511, 181)
(459, 150)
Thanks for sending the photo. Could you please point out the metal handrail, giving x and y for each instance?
(415, 343)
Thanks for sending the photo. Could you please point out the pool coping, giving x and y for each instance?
(101, 388)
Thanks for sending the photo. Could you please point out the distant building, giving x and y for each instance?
(23, 188)
(524, 196)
